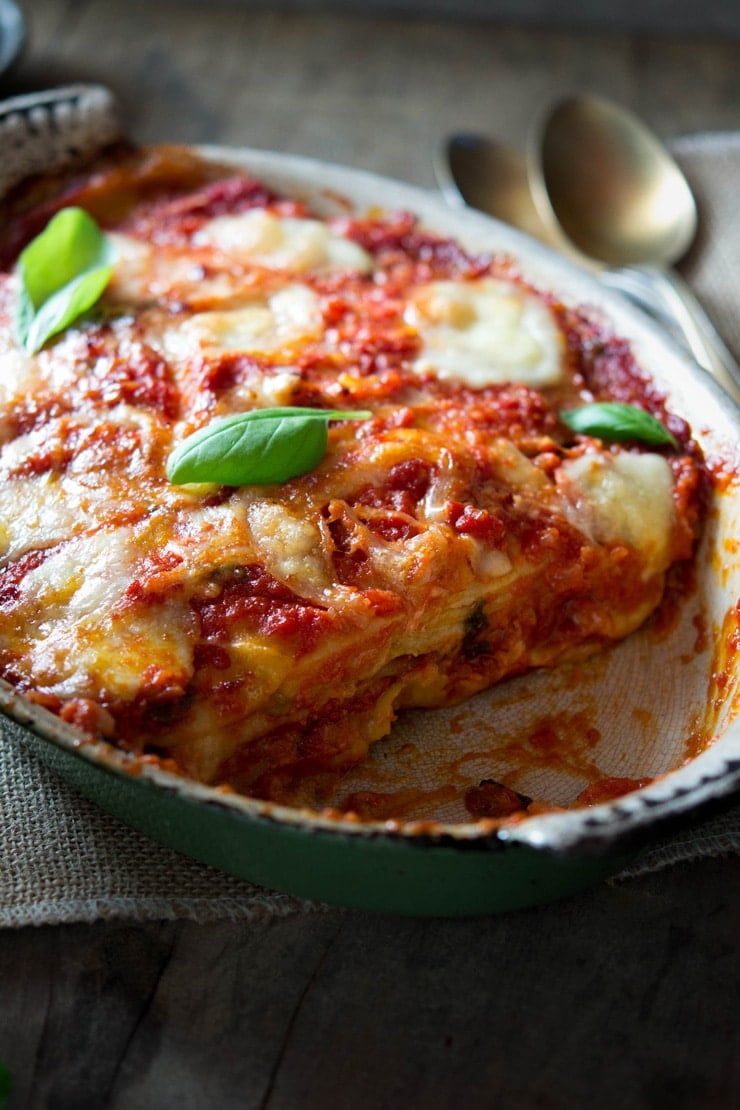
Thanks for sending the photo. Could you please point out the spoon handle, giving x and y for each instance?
(700, 334)
(641, 290)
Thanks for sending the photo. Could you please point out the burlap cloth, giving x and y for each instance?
(64, 860)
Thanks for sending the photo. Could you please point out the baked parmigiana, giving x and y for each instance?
(456, 534)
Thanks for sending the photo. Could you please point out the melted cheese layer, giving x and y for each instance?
(283, 243)
(623, 498)
(484, 333)
(264, 327)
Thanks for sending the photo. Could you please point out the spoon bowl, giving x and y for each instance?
(601, 178)
(493, 177)
(599, 174)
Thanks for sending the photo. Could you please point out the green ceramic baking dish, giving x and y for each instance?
(658, 713)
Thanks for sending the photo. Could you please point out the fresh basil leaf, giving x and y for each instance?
(63, 272)
(64, 307)
(24, 313)
(260, 447)
(613, 420)
(69, 244)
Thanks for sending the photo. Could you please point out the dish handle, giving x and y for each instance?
(46, 131)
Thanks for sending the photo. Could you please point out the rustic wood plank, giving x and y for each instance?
(624, 996)
(637, 983)
(377, 93)
(660, 16)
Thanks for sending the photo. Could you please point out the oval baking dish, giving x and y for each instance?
(659, 706)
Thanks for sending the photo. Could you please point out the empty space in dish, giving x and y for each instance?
(634, 712)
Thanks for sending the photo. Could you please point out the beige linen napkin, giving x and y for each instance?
(64, 860)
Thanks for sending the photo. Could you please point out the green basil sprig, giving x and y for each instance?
(259, 447)
(614, 420)
(63, 272)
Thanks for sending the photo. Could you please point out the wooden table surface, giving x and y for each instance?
(625, 996)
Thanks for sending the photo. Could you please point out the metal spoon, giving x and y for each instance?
(492, 176)
(599, 176)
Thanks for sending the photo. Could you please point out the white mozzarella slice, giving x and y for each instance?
(85, 576)
(34, 513)
(622, 498)
(290, 546)
(485, 332)
(283, 242)
(20, 376)
(141, 272)
(263, 327)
